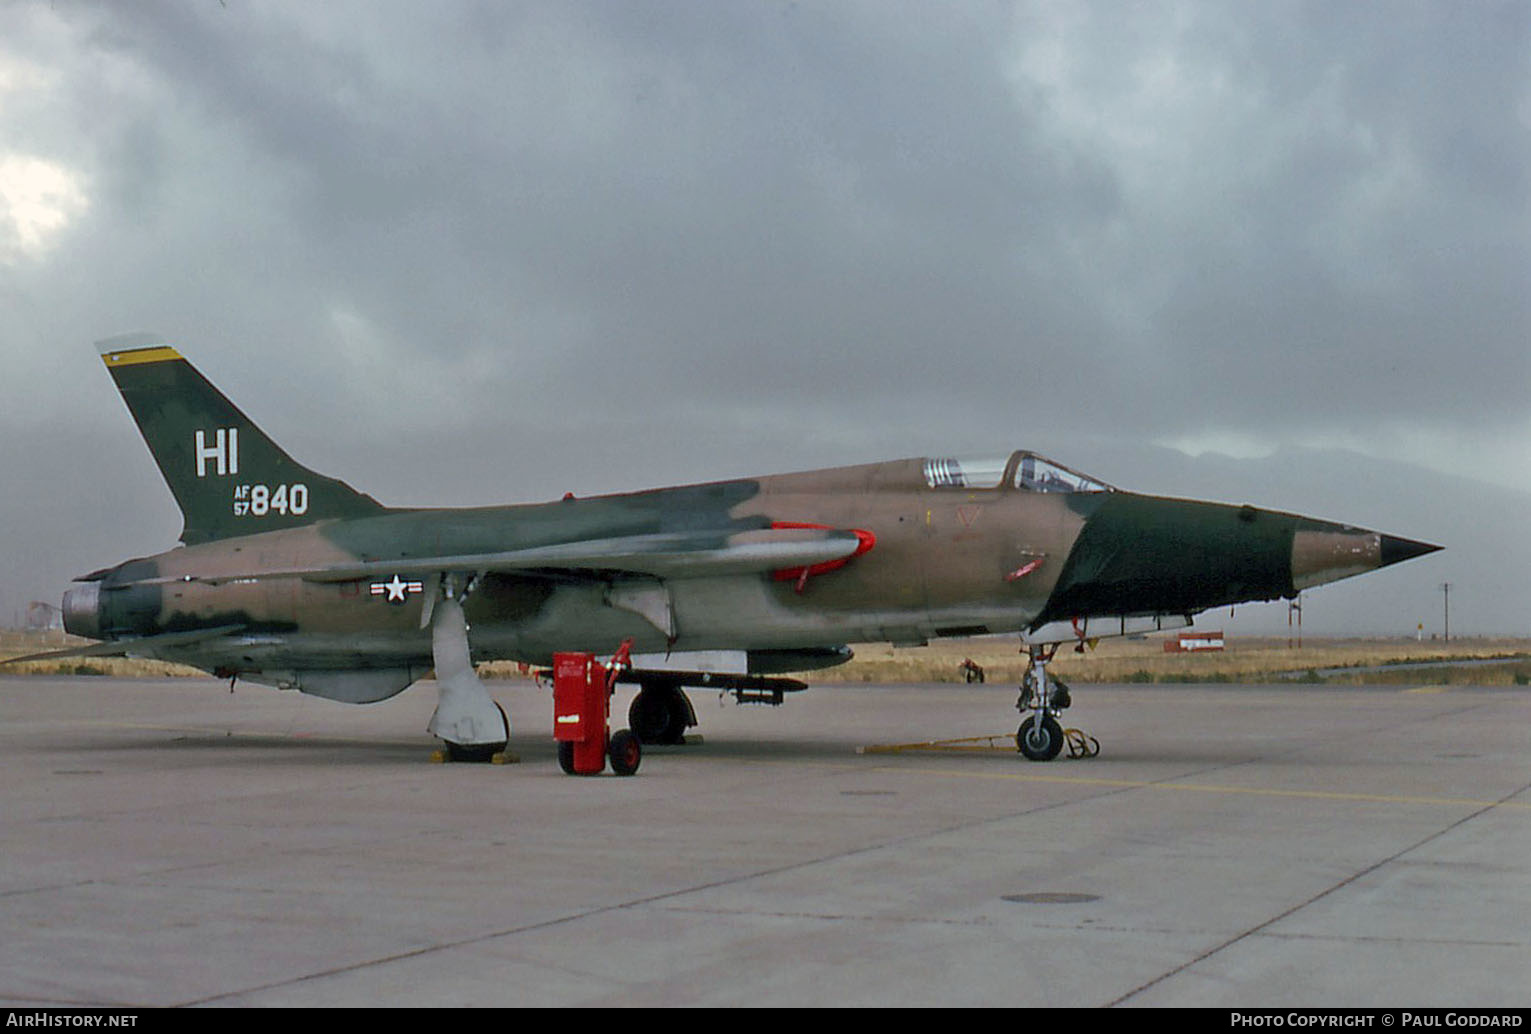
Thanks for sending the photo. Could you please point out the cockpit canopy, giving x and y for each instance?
(1023, 470)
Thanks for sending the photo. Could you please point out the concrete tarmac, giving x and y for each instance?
(166, 842)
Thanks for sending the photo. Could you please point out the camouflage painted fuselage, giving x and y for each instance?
(941, 566)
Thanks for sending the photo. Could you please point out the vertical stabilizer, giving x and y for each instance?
(227, 476)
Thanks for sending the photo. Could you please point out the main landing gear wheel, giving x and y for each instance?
(624, 751)
(660, 716)
(480, 753)
(1040, 744)
(467, 719)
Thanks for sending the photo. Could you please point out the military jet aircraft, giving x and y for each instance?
(294, 579)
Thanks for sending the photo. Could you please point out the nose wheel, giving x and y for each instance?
(1041, 737)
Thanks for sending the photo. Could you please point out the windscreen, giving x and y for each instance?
(1026, 471)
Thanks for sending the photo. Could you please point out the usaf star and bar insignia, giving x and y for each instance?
(396, 590)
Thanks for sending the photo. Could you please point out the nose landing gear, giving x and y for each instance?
(1041, 737)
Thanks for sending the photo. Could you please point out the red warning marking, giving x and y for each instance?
(1022, 572)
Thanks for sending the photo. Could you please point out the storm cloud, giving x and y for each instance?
(491, 252)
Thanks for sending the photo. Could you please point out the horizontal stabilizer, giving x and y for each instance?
(153, 646)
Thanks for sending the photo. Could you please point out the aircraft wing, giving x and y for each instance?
(665, 555)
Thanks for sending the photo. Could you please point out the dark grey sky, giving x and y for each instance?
(474, 253)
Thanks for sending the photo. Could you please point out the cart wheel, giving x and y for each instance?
(625, 752)
(566, 756)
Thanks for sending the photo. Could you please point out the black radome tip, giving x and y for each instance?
(1396, 550)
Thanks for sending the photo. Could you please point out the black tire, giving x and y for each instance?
(625, 752)
(1040, 744)
(660, 717)
(474, 753)
(566, 756)
(480, 753)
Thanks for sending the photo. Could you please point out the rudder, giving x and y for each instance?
(228, 477)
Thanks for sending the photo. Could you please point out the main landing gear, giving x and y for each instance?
(467, 719)
(660, 714)
(1041, 737)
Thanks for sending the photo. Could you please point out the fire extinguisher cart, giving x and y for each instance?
(582, 689)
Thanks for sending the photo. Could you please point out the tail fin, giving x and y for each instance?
(227, 477)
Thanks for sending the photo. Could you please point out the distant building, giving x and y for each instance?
(1194, 642)
(43, 617)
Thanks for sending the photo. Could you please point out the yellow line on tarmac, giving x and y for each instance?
(1256, 791)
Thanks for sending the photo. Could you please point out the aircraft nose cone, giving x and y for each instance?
(1324, 552)
(1395, 550)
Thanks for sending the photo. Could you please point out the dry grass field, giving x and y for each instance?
(14, 643)
(1472, 661)
(1340, 661)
